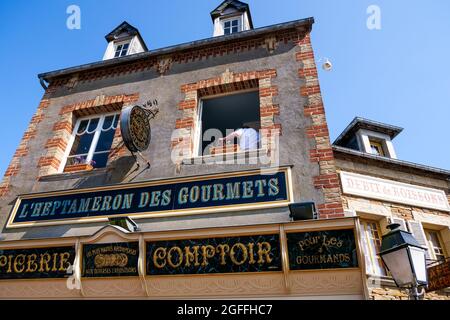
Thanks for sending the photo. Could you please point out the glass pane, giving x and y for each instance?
(82, 127)
(227, 31)
(100, 159)
(108, 122)
(82, 144)
(227, 24)
(93, 124)
(117, 54)
(235, 29)
(123, 53)
(235, 23)
(105, 140)
(125, 46)
(434, 239)
(119, 47)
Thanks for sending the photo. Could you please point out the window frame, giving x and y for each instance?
(95, 139)
(375, 260)
(239, 26)
(198, 131)
(431, 246)
(122, 43)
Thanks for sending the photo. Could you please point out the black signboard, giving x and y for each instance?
(36, 263)
(248, 188)
(214, 255)
(322, 250)
(110, 260)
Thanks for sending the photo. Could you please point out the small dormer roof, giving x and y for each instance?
(370, 125)
(237, 5)
(124, 31)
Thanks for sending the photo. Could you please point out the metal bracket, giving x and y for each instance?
(151, 108)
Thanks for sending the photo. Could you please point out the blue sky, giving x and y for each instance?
(399, 74)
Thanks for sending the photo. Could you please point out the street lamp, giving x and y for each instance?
(404, 257)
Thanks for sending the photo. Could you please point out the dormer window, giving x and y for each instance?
(230, 17)
(124, 40)
(121, 49)
(231, 26)
(370, 137)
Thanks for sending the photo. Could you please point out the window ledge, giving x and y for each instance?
(229, 158)
(72, 175)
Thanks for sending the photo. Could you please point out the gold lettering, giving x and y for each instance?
(264, 252)
(223, 250)
(160, 254)
(32, 262)
(64, 261)
(250, 253)
(207, 253)
(170, 255)
(45, 259)
(19, 264)
(233, 254)
(3, 261)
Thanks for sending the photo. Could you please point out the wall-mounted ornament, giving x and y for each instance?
(135, 125)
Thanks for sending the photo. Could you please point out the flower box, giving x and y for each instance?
(78, 167)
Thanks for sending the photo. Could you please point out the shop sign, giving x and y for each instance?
(393, 191)
(110, 260)
(214, 255)
(36, 263)
(329, 249)
(135, 128)
(225, 192)
(439, 276)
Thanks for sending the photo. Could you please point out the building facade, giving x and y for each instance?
(122, 187)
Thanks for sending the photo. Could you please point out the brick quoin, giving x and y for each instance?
(317, 131)
(313, 110)
(317, 155)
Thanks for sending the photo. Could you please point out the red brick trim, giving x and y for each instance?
(322, 154)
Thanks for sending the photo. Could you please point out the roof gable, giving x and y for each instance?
(125, 30)
(237, 6)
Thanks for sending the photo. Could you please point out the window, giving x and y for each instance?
(376, 148)
(122, 49)
(435, 246)
(231, 26)
(91, 140)
(371, 237)
(220, 116)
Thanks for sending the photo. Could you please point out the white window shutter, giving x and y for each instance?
(401, 222)
(366, 251)
(416, 229)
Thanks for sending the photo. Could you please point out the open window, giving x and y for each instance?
(227, 114)
(91, 142)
